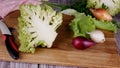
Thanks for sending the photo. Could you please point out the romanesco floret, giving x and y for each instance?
(37, 26)
(112, 6)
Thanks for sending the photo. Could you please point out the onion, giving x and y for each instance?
(82, 43)
(101, 14)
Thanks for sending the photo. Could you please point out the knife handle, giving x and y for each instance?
(11, 46)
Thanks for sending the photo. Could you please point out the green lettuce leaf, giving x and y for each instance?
(83, 24)
(105, 25)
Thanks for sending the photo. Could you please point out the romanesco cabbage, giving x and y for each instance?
(112, 6)
(37, 26)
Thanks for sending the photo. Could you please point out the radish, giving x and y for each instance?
(82, 43)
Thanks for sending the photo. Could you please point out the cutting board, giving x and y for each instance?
(62, 51)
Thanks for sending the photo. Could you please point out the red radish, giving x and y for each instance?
(101, 14)
(82, 43)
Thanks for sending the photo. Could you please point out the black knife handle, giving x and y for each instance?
(11, 46)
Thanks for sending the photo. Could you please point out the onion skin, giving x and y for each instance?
(101, 14)
(82, 43)
(77, 42)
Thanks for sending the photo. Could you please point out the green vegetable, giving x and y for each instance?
(105, 25)
(81, 25)
(69, 12)
(78, 5)
(37, 26)
(116, 23)
(112, 6)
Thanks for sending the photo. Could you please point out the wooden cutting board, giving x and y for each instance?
(62, 52)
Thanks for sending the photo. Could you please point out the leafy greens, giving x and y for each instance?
(82, 25)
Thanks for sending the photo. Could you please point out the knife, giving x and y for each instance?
(8, 39)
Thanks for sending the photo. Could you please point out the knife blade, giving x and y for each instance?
(8, 39)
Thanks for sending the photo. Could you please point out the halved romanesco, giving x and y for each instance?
(37, 26)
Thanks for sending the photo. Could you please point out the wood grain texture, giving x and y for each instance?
(12, 64)
(17, 64)
(62, 52)
(56, 66)
(22, 65)
(117, 35)
(5, 64)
